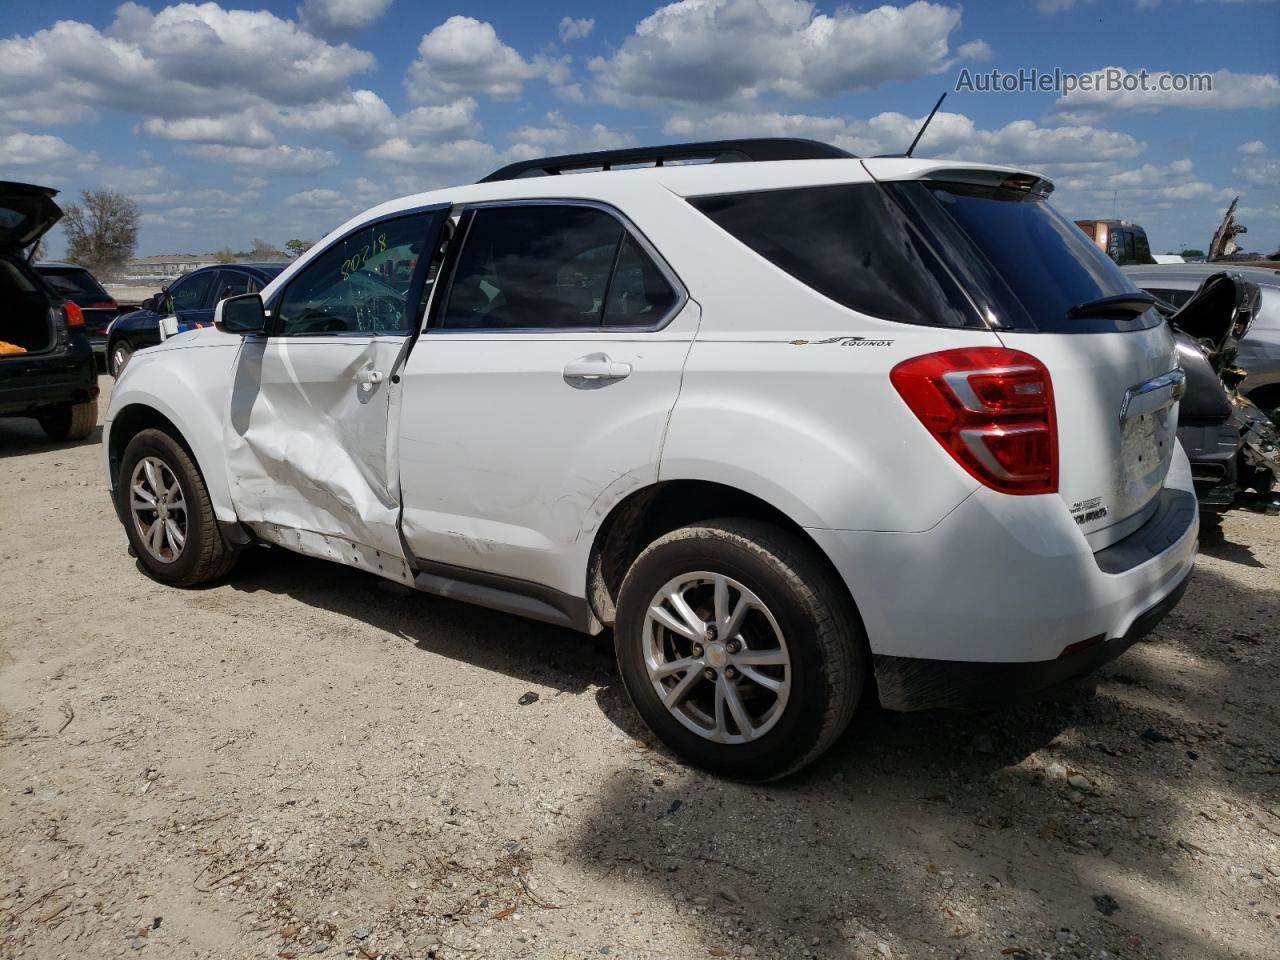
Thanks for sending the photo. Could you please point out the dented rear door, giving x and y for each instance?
(309, 451)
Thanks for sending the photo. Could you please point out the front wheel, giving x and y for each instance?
(739, 648)
(121, 353)
(167, 513)
(70, 421)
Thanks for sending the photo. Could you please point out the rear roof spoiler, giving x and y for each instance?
(713, 151)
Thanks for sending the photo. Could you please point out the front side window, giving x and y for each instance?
(532, 266)
(359, 284)
(191, 293)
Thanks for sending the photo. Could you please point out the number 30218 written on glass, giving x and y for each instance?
(361, 256)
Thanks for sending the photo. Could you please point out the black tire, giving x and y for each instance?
(70, 421)
(824, 637)
(119, 353)
(206, 555)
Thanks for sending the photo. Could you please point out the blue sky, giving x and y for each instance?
(280, 119)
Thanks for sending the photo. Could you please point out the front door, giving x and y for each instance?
(187, 304)
(307, 430)
(540, 393)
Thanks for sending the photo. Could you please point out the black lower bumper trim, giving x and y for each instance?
(911, 683)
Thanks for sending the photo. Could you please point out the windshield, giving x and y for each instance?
(1026, 263)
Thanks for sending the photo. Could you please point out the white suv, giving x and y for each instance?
(800, 428)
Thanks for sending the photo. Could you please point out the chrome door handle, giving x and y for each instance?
(368, 376)
(596, 366)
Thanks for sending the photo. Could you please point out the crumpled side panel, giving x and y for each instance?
(307, 449)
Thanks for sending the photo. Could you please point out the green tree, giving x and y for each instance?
(296, 248)
(102, 231)
(1193, 253)
(265, 250)
(225, 255)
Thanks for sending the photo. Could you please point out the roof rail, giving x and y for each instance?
(714, 151)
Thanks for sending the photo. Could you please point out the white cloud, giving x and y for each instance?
(329, 17)
(470, 156)
(1253, 148)
(1260, 172)
(715, 51)
(357, 116)
(949, 136)
(171, 63)
(450, 121)
(464, 56)
(974, 50)
(1230, 91)
(34, 150)
(239, 129)
(318, 197)
(561, 136)
(277, 159)
(576, 28)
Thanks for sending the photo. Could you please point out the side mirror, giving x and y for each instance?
(151, 303)
(242, 314)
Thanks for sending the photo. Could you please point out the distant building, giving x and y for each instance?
(165, 267)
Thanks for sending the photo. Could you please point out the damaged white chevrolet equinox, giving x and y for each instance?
(800, 428)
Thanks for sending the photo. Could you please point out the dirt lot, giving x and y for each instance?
(305, 761)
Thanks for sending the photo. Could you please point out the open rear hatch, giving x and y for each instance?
(27, 325)
(27, 212)
(1044, 289)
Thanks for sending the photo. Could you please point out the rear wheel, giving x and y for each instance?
(70, 421)
(167, 513)
(121, 353)
(739, 648)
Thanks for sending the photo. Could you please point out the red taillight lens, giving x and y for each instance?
(992, 409)
(105, 305)
(74, 315)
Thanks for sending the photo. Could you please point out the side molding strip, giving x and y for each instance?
(505, 594)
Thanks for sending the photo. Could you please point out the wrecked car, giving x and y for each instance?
(1233, 446)
(47, 369)
(705, 397)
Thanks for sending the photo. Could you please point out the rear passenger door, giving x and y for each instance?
(540, 391)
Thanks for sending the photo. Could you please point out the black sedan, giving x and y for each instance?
(47, 370)
(191, 298)
(78, 285)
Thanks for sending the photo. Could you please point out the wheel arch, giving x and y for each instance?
(643, 515)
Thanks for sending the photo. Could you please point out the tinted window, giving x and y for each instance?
(360, 283)
(639, 295)
(232, 283)
(191, 293)
(1023, 261)
(1141, 249)
(541, 266)
(73, 283)
(849, 242)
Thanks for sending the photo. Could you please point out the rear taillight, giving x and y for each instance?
(74, 315)
(992, 409)
(105, 305)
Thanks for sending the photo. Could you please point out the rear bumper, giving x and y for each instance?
(909, 683)
(28, 384)
(1005, 587)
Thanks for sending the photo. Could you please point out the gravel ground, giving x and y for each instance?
(305, 761)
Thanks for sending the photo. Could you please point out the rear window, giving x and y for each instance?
(849, 242)
(1026, 263)
(72, 283)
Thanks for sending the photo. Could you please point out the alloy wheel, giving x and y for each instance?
(716, 657)
(159, 509)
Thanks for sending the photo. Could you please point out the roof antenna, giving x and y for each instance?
(924, 126)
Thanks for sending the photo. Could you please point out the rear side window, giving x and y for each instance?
(73, 283)
(552, 266)
(849, 242)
